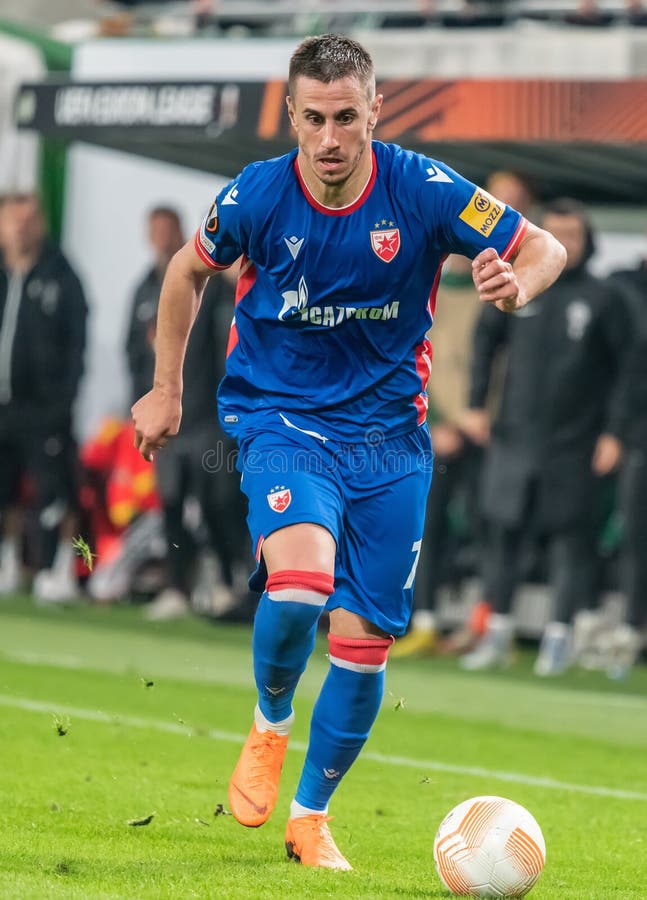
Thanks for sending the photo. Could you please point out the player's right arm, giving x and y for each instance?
(157, 415)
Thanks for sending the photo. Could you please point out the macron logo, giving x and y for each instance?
(294, 245)
(275, 691)
(230, 197)
(436, 174)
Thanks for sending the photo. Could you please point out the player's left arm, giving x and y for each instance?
(509, 285)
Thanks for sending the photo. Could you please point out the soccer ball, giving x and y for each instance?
(489, 847)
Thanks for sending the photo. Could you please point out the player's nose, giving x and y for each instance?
(329, 137)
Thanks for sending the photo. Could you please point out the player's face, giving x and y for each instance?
(569, 231)
(333, 123)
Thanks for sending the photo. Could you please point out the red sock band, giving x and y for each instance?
(364, 651)
(319, 582)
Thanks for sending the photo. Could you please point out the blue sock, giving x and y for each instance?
(343, 716)
(285, 628)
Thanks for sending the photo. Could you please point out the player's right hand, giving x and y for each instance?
(156, 417)
(496, 281)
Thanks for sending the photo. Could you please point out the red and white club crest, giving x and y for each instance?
(279, 498)
(386, 243)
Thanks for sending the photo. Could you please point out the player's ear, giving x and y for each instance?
(291, 111)
(374, 113)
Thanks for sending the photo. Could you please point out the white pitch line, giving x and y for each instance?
(96, 715)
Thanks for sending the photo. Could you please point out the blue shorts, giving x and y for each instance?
(370, 496)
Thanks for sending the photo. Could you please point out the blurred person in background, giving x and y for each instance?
(200, 502)
(165, 239)
(325, 390)
(555, 439)
(456, 458)
(635, 11)
(458, 438)
(120, 17)
(624, 642)
(122, 518)
(42, 340)
(617, 645)
(590, 14)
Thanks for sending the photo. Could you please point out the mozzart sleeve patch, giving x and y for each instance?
(471, 219)
(460, 216)
(483, 212)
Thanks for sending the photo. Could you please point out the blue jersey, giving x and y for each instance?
(333, 305)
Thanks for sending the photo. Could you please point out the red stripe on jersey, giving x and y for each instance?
(372, 652)
(259, 547)
(423, 368)
(232, 340)
(434, 288)
(342, 210)
(515, 240)
(204, 256)
(246, 279)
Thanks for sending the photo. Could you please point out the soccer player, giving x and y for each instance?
(343, 240)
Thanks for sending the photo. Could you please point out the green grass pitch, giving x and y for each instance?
(105, 721)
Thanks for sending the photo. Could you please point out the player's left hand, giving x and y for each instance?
(496, 281)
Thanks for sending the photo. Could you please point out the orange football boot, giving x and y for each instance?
(254, 785)
(308, 840)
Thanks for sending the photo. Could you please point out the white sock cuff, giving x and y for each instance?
(298, 595)
(263, 724)
(297, 811)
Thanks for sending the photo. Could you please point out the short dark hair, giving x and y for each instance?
(330, 57)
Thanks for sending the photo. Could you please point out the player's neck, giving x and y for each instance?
(336, 196)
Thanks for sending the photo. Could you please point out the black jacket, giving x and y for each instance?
(204, 363)
(566, 354)
(139, 349)
(633, 282)
(42, 339)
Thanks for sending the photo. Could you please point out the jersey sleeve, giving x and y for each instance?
(220, 240)
(464, 218)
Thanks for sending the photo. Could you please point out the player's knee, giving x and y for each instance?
(298, 598)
